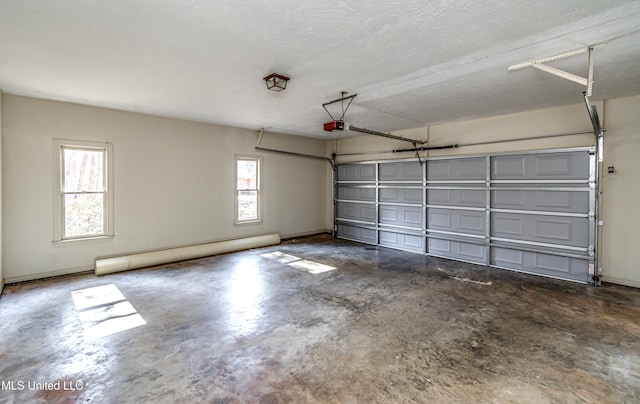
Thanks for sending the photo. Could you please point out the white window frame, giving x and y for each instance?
(58, 191)
(258, 189)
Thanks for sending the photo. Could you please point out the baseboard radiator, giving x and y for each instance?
(148, 259)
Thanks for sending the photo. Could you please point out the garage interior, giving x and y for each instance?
(301, 202)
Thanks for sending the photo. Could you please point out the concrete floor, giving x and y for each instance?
(384, 326)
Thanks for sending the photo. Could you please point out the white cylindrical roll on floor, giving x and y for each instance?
(134, 261)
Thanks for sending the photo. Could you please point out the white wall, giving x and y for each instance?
(174, 179)
(621, 192)
(173, 184)
(515, 126)
(1, 174)
(619, 252)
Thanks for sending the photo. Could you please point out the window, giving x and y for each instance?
(83, 197)
(248, 189)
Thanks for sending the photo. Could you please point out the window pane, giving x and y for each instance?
(247, 174)
(247, 205)
(83, 170)
(84, 215)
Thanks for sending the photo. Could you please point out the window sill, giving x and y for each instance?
(90, 240)
(248, 222)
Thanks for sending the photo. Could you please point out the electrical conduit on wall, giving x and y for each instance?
(142, 260)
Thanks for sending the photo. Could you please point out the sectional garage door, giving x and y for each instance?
(532, 212)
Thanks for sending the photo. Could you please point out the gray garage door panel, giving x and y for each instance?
(545, 264)
(543, 166)
(401, 195)
(357, 194)
(550, 201)
(357, 211)
(526, 211)
(401, 171)
(568, 231)
(456, 169)
(457, 250)
(402, 241)
(458, 221)
(475, 198)
(410, 216)
(357, 172)
(357, 233)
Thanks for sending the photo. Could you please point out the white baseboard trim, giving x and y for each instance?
(70, 271)
(42, 275)
(620, 281)
(305, 234)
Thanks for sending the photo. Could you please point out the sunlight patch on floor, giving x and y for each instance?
(298, 263)
(312, 266)
(96, 296)
(244, 297)
(103, 310)
(281, 257)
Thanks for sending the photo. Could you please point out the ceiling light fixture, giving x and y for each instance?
(276, 82)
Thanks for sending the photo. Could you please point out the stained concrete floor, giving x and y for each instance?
(384, 326)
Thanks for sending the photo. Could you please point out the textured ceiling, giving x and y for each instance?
(411, 62)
